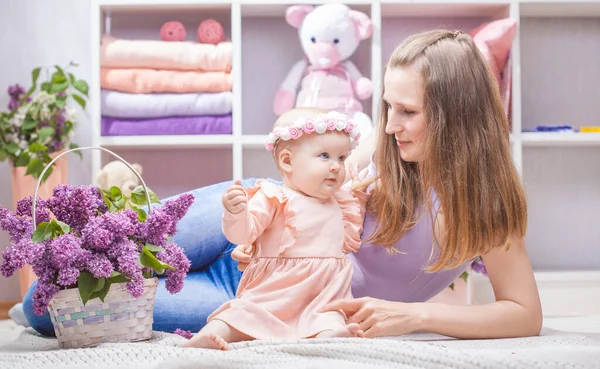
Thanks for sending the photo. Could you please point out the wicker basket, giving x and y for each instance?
(120, 318)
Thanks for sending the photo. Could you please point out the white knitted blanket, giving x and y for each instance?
(552, 349)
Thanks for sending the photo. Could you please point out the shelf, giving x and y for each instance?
(445, 8)
(564, 8)
(254, 141)
(276, 8)
(560, 139)
(191, 141)
(161, 5)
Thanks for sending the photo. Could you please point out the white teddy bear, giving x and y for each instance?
(116, 173)
(329, 35)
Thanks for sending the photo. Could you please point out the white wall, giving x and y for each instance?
(42, 33)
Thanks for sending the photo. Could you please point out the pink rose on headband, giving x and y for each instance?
(277, 132)
(349, 127)
(309, 126)
(269, 146)
(340, 125)
(295, 133)
(330, 123)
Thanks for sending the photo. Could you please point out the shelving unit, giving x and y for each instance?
(555, 81)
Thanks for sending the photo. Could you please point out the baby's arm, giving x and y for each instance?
(245, 226)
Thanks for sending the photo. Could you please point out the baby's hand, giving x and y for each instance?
(235, 199)
(358, 179)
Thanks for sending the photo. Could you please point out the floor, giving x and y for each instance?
(586, 324)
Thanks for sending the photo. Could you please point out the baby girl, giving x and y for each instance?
(298, 233)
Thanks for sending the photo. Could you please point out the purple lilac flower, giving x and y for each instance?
(177, 209)
(478, 266)
(100, 266)
(42, 265)
(44, 292)
(76, 205)
(17, 227)
(135, 287)
(184, 334)
(102, 231)
(15, 92)
(24, 208)
(174, 256)
(156, 227)
(16, 256)
(68, 276)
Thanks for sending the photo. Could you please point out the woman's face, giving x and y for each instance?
(406, 120)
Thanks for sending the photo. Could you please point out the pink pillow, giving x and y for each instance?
(172, 31)
(494, 40)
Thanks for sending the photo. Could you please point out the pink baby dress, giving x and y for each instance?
(298, 264)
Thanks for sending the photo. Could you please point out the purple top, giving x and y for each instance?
(400, 277)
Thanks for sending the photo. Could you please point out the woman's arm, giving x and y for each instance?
(516, 312)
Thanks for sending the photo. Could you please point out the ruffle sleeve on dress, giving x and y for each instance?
(353, 210)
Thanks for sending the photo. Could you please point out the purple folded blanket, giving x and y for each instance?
(191, 125)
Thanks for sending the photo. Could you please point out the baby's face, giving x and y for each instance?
(318, 168)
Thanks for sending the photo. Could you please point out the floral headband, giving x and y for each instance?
(332, 121)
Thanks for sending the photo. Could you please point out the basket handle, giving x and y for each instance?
(37, 187)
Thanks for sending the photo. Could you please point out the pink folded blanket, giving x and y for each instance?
(174, 55)
(145, 81)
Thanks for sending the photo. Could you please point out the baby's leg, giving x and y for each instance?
(349, 331)
(216, 335)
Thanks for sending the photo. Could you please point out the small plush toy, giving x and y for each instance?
(172, 31)
(329, 35)
(116, 173)
(210, 31)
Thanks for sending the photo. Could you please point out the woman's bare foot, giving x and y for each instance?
(351, 330)
(209, 341)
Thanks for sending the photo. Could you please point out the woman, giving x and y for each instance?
(445, 191)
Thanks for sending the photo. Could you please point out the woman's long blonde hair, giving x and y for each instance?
(466, 155)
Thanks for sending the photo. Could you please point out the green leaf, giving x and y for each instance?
(22, 160)
(101, 294)
(71, 78)
(35, 167)
(46, 86)
(29, 123)
(141, 212)
(451, 286)
(81, 86)
(4, 155)
(116, 192)
(60, 103)
(37, 147)
(464, 276)
(117, 277)
(64, 227)
(42, 232)
(47, 174)
(100, 285)
(59, 87)
(79, 100)
(35, 75)
(138, 196)
(12, 148)
(58, 77)
(86, 283)
(45, 133)
(78, 153)
(148, 260)
(153, 248)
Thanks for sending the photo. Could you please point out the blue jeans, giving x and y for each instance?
(213, 277)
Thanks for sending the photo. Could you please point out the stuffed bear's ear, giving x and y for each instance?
(295, 14)
(363, 24)
(137, 167)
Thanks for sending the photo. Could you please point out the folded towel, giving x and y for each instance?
(194, 125)
(126, 105)
(143, 81)
(177, 55)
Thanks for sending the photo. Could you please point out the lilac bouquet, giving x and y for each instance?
(39, 121)
(88, 238)
(476, 266)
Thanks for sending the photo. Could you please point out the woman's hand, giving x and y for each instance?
(379, 318)
(243, 255)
